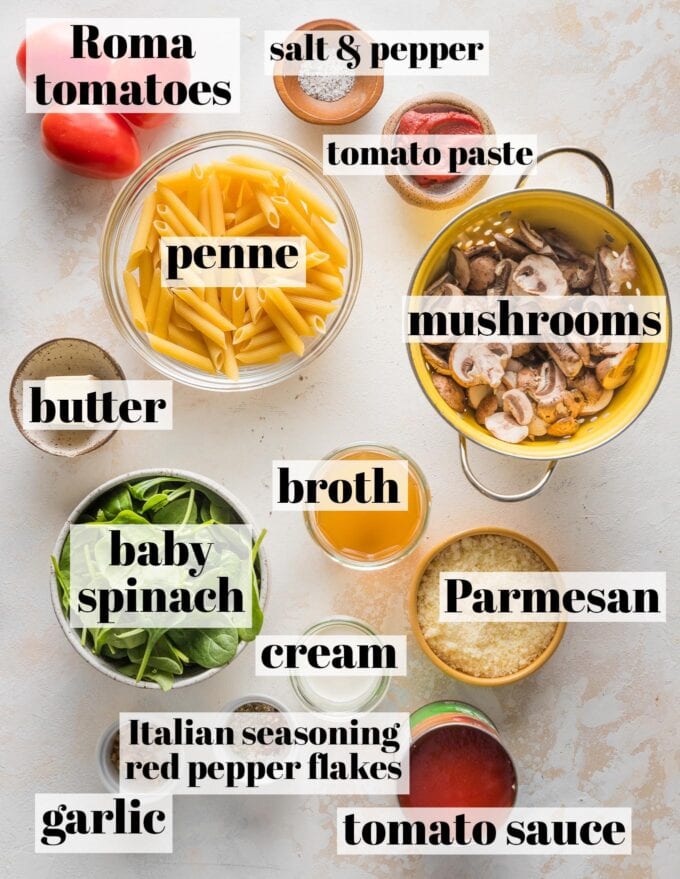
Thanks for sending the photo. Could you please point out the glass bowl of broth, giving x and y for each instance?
(372, 538)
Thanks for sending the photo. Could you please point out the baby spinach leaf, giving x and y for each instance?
(155, 501)
(176, 513)
(209, 648)
(115, 501)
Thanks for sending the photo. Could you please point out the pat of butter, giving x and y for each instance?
(69, 387)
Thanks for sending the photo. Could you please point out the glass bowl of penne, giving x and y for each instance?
(233, 328)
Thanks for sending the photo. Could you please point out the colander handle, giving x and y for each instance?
(596, 160)
(494, 495)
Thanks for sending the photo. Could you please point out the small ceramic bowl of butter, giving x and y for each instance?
(65, 365)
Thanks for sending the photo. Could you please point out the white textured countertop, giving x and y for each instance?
(598, 725)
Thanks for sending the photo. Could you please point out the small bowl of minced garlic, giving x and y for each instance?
(486, 654)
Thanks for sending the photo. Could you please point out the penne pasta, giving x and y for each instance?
(135, 301)
(140, 242)
(223, 330)
(178, 352)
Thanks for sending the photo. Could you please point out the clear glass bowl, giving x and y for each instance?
(219, 145)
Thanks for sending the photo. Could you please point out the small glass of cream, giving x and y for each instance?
(350, 693)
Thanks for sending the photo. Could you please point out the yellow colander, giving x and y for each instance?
(589, 224)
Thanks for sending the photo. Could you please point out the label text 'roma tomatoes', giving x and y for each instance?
(91, 144)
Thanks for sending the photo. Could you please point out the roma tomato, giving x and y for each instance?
(91, 144)
(147, 120)
(21, 60)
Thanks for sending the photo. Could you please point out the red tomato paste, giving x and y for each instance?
(457, 765)
(437, 121)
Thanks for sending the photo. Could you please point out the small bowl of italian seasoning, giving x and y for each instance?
(325, 91)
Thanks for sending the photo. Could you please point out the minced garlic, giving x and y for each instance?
(484, 650)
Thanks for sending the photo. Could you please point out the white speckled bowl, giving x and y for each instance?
(62, 357)
(194, 675)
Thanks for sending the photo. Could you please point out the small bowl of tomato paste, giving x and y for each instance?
(440, 113)
(457, 760)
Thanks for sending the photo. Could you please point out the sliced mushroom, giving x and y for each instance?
(562, 246)
(537, 427)
(510, 247)
(504, 427)
(538, 275)
(566, 358)
(487, 407)
(517, 404)
(503, 277)
(437, 356)
(607, 349)
(477, 393)
(443, 286)
(584, 352)
(529, 236)
(521, 349)
(451, 393)
(549, 386)
(473, 363)
(614, 271)
(586, 382)
(482, 273)
(598, 405)
(563, 427)
(480, 249)
(459, 268)
(615, 371)
(579, 273)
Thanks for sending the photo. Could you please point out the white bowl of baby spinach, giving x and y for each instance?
(152, 658)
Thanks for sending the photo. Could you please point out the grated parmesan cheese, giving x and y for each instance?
(484, 650)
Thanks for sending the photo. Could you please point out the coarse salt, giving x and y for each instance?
(325, 80)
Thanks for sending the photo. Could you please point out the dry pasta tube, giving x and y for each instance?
(135, 301)
(282, 303)
(177, 352)
(141, 239)
(288, 334)
(266, 354)
(191, 340)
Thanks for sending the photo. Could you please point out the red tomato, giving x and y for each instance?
(50, 49)
(147, 120)
(164, 69)
(91, 144)
(21, 60)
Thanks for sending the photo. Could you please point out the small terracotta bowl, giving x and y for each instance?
(62, 357)
(521, 673)
(361, 98)
(440, 196)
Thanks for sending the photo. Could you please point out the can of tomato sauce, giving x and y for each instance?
(457, 760)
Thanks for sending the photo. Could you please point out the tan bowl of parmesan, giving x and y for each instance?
(481, 653)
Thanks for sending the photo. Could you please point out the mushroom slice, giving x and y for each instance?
(510, 247)
(473, 363)
(482, 273)
(504, 427)
(521, 349)
(538, 275)
(529, 236)
(550, 384)
(459, 268)
(437, 356)
(517, 404)
(586, 382)
(502, 277)
(603, 400)
(566, 358)
(451, 393)
(583, 351)
(481, 249)
(607, 349)
(477, 393)
(443, 286)
(615, 371)
(486, 408)
(579, 273)
(614, 271)
(561, 245)
(537, 427)
(563, 427)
